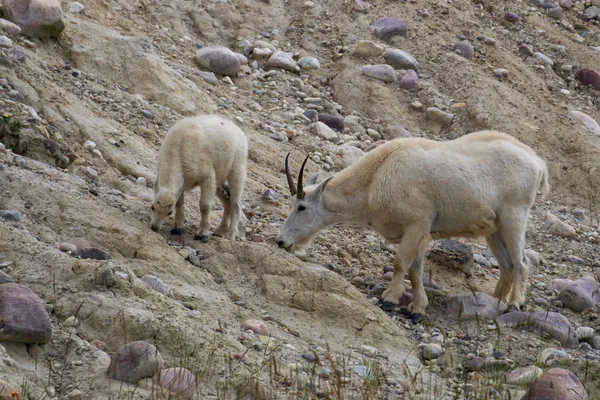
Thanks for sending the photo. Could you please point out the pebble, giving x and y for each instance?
(438, 116)
(2, 148)
(367, 48)
(557, 383)
(5, 42)
(347, 155)
(544, 59)
(135, 361)
(89, 145)
(335, 122)
(67, 247)
(147, 114)
(141, 181)
(481, 260)
(324, 132)
(400, 59)
(21, 161)
(9, 27)
(176, 380)
(525, 50)
(432, 351)
(511, 17)
(270, 195)
(75, 7)
(475, 364)
(410, 80)
(207, 76)
(588, 76)
(369, 351)
(309, 63)
(592, 12)
(541, 301)
(565, 3)
(382, 72)
(18, 53)
(92, 253)
(576, 260)
(157, 284)
(465, 49)
(533, 256)
(387, 27)
(555, 13)
(309, 356)
(10, 215)
(75, 394)
(284, 60)
(218, 59)
(71, 322)
(588, 121)
(256, 326)
(358, 281)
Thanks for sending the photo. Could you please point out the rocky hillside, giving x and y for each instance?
(95, 305)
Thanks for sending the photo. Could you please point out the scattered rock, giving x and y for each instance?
(465, 49)
(383, 72)
(552, 323)
(270, 195)
(75, 7)
(470, 305)
(410, 80)
(335, 122)
(367, 48)
(580, 294)
(588, 76)
(93, 254)
(400, 59)
(588, 121)
(38, 18)
(387, 27)
(526, 50)
(75, 394)
(176, 380)
(157, 284)
(511, 17)
(544, 59)
(524, 376)
(475, 364)
(555, 13)
(431, 351)
(5, 42)
(565, 3)
(358, 281)
(557, 383)
(10, 28)
(324, 132)
(551, 356)
(134, 361)
(309, 63)
(556, 227)
(438, 116)
(347, 155)
(18, 53)
(10, 215)
(284, 60)
(218, 59)
(256, 326)
(71, 322)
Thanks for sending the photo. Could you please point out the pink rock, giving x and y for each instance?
(551, 323)
(37, 18)
(581, 294)
(383, 72)
(176, 380)
(388, 27)
(556, 384)
(410, 80)
(588, 121)
(588, 77)
(135, 361)
(465, 49)
(257, 326)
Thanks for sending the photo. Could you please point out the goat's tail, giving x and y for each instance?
(544, 186)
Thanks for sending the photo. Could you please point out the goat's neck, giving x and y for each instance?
(344, 205)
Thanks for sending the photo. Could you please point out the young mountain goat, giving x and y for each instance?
(201, 151)
(414, 190)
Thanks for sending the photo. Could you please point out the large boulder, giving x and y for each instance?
(22, 315)
(37, 18)
(557, 384)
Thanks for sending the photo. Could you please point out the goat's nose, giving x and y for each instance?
(280, 243)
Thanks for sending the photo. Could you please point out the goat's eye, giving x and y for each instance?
(301, 208)
(152, 207)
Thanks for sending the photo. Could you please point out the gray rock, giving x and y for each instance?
(556, 227)
(472, 305)
(525, 50)
(135, 361)
(10, 28)
(511, 17)
(431, 351)
(347, 155)
(75, 7)
(592, 12)
(400, 59)
(178, 381)
(92, 253)
(18, 53)
(157, 284)
(335, 122)
(23, 315)
(596, 342)
(284, 60)
(324, 132)
(38, 18)
(10, 215)
(270, 195)
(555, 13)
(218, 59)
(544, 59)
(410, 80)
(580, 294)
(309, 63)
(387, 27)
(554, 324)
(5, 42)
(565, 3)
(465, 49)
(382, 72)
(523, 376)
(438, 116)
(475, 364)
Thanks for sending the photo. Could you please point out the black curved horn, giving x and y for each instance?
(289, 176)
(300, 194)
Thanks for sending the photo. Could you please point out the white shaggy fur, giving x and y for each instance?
(205, 151)
(413, 190)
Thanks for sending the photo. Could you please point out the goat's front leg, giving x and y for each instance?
(179, 217)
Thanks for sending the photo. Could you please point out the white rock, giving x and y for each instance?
(75, 7)
(71, 322)
(432, 351)
(324, 132)
(89, 145)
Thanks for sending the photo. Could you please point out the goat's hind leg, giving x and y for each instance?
(512, 229)
(236, 180)
(224, 195)
(179, 217)
(207, 193)
(505, 282)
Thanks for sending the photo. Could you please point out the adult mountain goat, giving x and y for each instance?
(207, 151)
(414, 190)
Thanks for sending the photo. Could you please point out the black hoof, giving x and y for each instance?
(416, 318)
(176, 231)
(387, 306)
(202, 238)
(512, 308)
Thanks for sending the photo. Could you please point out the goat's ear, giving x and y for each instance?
(319, 190)
(313, 178)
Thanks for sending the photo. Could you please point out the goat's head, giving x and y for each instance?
(307, 214)
(162, 206)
